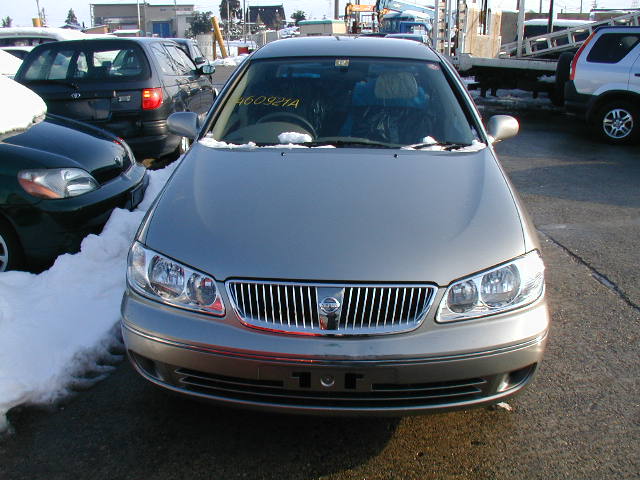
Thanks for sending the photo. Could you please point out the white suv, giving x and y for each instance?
(604, 83)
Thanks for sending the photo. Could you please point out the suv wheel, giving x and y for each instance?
(617, 122)
(10, 251)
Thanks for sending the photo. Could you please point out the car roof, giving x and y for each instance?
(617, 28)
(85, 41)
(346, 46)
(181, 40)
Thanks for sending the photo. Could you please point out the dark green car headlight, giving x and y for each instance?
(165, 280)
(55, 183)
(506, 287)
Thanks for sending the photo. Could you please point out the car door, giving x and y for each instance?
(171, 78)
(634, 75)
(200, 88)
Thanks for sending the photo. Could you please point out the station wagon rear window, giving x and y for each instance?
(91, 64)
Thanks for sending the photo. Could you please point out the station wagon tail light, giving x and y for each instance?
(165, 280)
(56, 183)
(151, 98)
(503, 288)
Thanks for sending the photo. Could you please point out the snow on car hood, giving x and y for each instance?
(9, 64)
(19, 106)
(338, 215)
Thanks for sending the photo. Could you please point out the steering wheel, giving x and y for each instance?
(293, 116)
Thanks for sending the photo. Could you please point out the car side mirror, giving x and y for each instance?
(206, 69)
(184, 124)
(501, 127)
(199, 60)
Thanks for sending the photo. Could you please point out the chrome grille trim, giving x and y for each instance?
(367, 309)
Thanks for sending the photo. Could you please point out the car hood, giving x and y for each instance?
(337, 214)
(81, 145)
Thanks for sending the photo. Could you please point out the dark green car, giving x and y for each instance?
(59, 181)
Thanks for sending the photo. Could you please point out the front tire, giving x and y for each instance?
(618, 122)
(11, 257)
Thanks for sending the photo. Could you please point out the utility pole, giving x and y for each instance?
(520, 26)
(138, 5)
(550, 24)
(175, 14)
(228, 21)
(40, 15)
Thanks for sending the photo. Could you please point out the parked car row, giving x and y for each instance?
(126, 86)
(108, 100)
(421, 289)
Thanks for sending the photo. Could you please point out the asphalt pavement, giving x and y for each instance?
(580, 419)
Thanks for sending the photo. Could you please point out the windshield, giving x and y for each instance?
(343, 101)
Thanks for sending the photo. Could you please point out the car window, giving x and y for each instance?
(126, 62)
(167, 62)
(197, 53)
(87, 64)
(612, 47)
(389, 102)
(50, 65)
(184, 64)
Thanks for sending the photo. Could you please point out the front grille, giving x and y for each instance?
(364, 309)
(376, 396)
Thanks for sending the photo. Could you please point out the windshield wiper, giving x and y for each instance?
(348, 142)
(55, 82)
(444, 145)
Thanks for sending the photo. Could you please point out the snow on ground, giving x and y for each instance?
(19, 106)
(57, 326)
(230, 61)
(515, 99)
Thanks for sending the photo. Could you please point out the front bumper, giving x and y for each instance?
(434, 368)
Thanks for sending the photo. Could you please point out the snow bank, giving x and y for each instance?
(19, 106)
(516, 100)
(56, 326)
(230, 61)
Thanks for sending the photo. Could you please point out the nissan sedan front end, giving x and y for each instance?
(340, 239)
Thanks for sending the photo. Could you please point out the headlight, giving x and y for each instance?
(56, 182)
(167, 281)
(509, 286)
